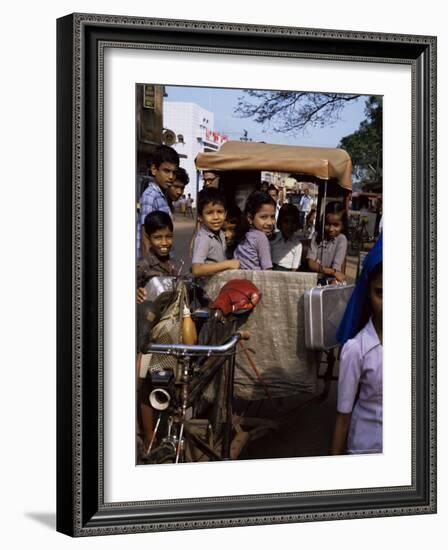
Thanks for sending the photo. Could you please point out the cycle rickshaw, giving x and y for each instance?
(280, 360)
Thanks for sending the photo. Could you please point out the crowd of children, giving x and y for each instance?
(258, 239)
(265, 236)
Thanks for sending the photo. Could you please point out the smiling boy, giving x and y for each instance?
(209, 247)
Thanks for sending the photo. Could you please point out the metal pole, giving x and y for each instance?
(229, 407)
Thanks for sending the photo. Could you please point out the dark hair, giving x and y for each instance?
(254, 203)
(287, 210)
(333, 207)
(163, 153)
(182, 176)
(234, 214)
(215, 176)
(209, 195)
(272, 187)
(367, 309)
(157, 220)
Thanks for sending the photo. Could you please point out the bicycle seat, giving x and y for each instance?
(237, 296)
(200, 313)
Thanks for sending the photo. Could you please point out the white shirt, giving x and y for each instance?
(361, 366)
(305, 203)
(286, 254)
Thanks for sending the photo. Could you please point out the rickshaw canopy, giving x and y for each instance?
(321, 162)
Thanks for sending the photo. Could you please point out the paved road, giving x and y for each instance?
(183, 232)
(305, 431)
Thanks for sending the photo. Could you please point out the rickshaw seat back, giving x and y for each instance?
(277, 345)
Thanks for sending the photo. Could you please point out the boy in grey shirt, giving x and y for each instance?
(209, 247)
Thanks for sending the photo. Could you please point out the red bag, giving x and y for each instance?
(237, 296)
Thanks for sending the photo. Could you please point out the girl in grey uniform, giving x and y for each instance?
(328, 248)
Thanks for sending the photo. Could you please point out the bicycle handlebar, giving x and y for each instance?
(182, 349)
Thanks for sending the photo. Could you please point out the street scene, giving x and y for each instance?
(259, 262)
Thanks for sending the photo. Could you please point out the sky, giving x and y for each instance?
(223, 101)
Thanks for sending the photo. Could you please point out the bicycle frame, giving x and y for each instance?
(179, 428)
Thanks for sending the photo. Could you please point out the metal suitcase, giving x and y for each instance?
(324, 309)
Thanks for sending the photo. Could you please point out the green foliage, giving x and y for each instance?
(365, 146)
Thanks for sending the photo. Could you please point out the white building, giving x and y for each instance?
(194, 129)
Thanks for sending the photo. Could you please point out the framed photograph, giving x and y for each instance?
(194, 388)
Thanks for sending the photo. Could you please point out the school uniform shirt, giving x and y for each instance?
(151, 266)
(329, 252)
(360, 389)
(254, 252)
(209, 247)
(288, 253)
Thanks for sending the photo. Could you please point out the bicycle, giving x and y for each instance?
(177, 395)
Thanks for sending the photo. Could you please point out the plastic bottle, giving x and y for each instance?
(189, 334)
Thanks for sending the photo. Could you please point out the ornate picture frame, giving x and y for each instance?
(81, 506)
